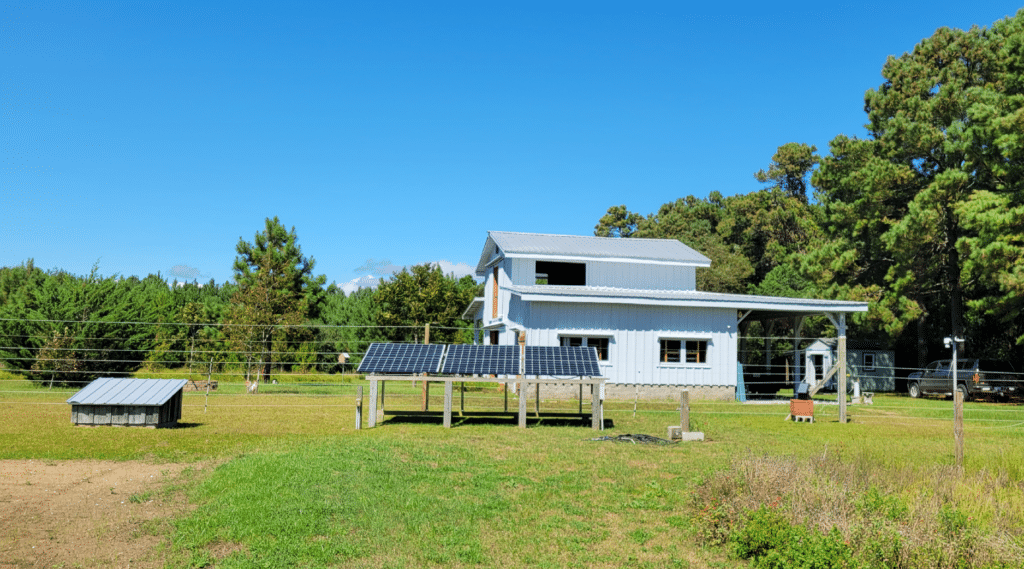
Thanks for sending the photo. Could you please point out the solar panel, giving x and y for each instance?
(402, 358)
(481, 360)
(574, 361)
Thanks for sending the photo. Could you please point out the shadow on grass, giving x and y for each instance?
(505, 421)
(180, 425)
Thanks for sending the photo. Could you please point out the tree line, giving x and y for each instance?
(276, 315)
(923, 218)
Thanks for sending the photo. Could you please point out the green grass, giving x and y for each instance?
(299, 486)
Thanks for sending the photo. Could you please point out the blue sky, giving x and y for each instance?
(150, 136)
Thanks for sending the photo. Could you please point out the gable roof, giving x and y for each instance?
(127, 391)
(582, 248)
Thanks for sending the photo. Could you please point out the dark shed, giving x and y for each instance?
(128, 402)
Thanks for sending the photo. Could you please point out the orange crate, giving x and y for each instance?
(801, 407)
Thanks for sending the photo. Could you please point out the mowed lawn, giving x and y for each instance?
(298, 486)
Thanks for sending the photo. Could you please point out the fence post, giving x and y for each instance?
(359, 407)
(958, 426)
(426, 389)
(684, 411)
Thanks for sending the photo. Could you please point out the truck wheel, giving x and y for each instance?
(963, 389)
(914, 389)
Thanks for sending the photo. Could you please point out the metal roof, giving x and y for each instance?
(775, 304)
(569, 247)
(127, 391)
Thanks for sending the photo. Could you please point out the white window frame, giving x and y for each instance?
(869, 366)
(683, 351)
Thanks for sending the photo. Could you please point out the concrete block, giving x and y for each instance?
(677, 434)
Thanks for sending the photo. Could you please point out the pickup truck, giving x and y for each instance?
(975, 378)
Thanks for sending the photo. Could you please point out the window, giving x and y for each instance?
(600, 343)
(684, 351)
(564, 274)
(869, 362)
(494, 337)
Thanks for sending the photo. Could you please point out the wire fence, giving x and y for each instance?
(323, 380)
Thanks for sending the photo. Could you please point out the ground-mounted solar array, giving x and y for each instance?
(562, 361)
(461, 359)
(402, 358)
(481, 360)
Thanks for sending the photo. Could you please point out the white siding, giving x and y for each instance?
(634, 333)
(618, 275)
(641, 276)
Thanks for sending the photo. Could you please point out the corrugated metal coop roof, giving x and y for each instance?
(127, 391)
(670, 251)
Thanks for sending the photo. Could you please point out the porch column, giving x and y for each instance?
(841, 331)
(798, 328)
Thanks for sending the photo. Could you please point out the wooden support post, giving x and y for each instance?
(581, 399)
(958, 426)
(504, 388)
(684, 411)
(462, 397)
(359, 407)
(596, 421)
(448, 404)
(841, 396)
(426, 388)
(372, 419)
(536, 401)
(523, 387)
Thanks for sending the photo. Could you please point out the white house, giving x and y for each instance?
(635, 300)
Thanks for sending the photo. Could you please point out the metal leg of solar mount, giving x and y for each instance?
(536, 402)
(523, 387)
(372, 417)
(448, 404)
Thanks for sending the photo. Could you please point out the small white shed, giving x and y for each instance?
(867, 362)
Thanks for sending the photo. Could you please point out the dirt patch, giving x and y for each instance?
(86, 513)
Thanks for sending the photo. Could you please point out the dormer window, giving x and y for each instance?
(561, 274)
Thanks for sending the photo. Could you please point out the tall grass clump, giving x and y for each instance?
(835, 511)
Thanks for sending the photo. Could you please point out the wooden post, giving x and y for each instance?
(372, 419)
(958, 426)
(536, 400)
(462, 397)
(426, 390)
(448, 404)
(684, 411)
(209, 374)
(523, 387)
(359, 407)
(841, 396)
(596, 421)
(504, 388)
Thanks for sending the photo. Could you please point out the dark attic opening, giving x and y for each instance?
(563, 274)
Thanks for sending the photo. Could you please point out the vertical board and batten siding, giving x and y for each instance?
(635, 332)
(642, 276)
(128, 402)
